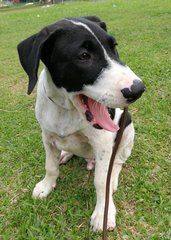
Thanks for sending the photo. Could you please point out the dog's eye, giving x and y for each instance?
(84, 56)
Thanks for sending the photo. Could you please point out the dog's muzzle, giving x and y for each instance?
(134, 92)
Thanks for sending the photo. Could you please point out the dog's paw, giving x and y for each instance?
(97, 219)
(43, 188)
(65, 157)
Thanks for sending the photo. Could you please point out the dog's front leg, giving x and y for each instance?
(44, 187)
(103, 155)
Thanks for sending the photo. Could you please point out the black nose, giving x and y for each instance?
(135, 91)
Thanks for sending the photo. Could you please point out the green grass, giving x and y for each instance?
(143, 32)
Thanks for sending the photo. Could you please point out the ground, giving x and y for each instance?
(142, 201)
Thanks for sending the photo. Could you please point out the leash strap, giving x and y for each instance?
(112, 159)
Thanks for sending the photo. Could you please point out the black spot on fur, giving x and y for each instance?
(111, 112)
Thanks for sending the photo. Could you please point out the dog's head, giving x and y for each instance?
(82, 58)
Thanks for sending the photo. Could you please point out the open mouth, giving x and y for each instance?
(96, 113)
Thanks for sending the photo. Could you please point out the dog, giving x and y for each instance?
(80, 92)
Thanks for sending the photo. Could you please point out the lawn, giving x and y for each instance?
(142, 29)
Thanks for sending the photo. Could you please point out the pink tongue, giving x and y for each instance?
(101, 116)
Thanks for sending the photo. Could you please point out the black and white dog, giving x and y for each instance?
(80, 91)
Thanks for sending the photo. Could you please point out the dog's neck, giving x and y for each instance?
(64, 108)
(58, 96)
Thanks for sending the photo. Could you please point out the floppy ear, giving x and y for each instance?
(29, 52)
(97, 21)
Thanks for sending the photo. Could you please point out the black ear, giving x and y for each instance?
(29, 52)
(97, 21)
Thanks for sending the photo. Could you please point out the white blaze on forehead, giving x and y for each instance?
(92, 33)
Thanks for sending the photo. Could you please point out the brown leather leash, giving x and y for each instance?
(112, 159)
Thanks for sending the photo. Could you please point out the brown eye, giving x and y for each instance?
(84, 56)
